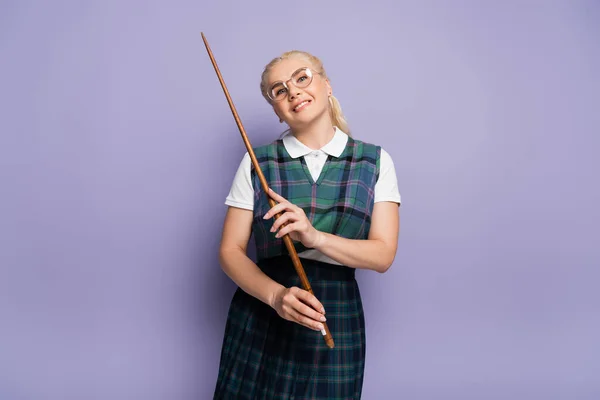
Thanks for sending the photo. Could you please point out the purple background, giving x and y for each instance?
(117, 150)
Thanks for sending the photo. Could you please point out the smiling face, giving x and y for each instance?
(298, 106)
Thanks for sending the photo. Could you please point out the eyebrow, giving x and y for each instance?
(296, 70)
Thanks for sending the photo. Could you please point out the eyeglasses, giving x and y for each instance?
(301, 78)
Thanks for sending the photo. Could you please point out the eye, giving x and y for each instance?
(301, 78)
(277, 89)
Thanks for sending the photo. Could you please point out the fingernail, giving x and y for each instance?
(321, 327)
(323, 310)
(323, 319)
(266, 216)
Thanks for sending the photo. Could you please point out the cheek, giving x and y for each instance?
(279, 110)
(321, 96)
(320, 92)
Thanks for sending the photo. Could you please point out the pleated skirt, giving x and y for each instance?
(264, 356)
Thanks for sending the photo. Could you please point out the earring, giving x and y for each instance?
(280, 121)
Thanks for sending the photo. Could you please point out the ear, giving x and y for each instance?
(329, 89)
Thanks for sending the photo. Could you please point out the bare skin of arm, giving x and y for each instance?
(293, 304)
(376, 253)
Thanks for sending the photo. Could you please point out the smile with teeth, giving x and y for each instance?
(301, 106)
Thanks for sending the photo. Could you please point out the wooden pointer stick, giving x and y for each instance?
(286, 238)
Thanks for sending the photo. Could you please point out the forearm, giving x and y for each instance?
(373, 254)
(246, 274)
(376, 253)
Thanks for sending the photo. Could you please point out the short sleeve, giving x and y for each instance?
(241, 194)
(386, 188)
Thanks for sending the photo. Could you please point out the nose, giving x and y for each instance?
(293, 92)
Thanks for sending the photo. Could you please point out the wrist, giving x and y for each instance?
(320, 240)
(273, 294)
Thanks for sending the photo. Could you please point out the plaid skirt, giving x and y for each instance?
(264, 356)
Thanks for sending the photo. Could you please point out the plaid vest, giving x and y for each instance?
(340, 202)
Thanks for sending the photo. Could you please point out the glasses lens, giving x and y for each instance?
(302, 78)
(277, 91)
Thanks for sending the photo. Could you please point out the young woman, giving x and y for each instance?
(340, 201)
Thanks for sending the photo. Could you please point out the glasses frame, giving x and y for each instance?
(312, 74)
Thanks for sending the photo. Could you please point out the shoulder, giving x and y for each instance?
(268, 149)
(363, 146)
(372, 147)
(385, 157)
(373, 151)
(364, 151)
(265, 154)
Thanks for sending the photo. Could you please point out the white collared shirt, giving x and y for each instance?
(241, 194)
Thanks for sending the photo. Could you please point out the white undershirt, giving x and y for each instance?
(241, 194)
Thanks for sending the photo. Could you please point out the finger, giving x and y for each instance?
(288, 216)
(307, 311)
(276, 196)
(277, 209)
(297, 209)
(309, 299)
(307, 322)
(283, 200)
(295, 226)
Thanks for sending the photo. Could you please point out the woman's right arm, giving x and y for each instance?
(235, 262)
(290, 303)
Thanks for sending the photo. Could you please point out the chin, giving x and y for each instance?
(307, 116)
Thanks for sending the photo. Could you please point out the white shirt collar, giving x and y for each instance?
(334, 148)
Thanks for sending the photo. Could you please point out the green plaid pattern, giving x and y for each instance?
(340, 202)
(265, 357)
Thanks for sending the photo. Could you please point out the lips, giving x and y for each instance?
(301, 106)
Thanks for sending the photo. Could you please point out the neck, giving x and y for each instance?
(315, 135)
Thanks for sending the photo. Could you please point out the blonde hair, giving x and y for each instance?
(335, 109)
